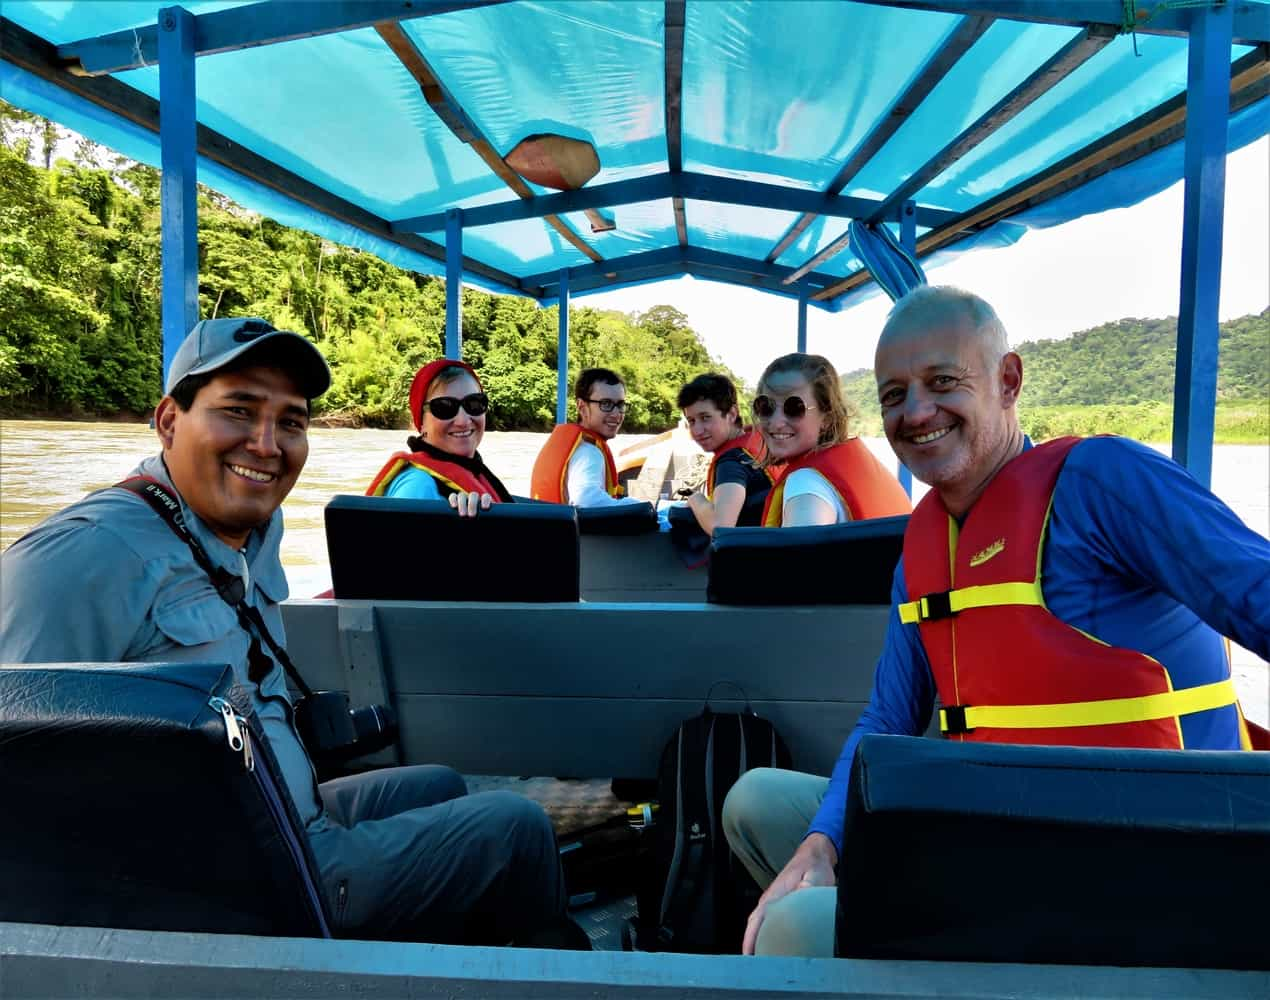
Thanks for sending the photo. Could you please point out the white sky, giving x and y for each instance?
(1052, 283)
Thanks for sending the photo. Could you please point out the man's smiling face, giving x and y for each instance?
(235, 454)
(946, 407)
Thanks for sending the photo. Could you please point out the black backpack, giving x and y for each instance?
(695, 895)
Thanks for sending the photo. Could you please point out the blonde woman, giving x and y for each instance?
(829, 476)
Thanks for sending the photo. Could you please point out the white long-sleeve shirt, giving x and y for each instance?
(584, 479)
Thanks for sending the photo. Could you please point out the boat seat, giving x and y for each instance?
(387, 548)
(850, 563)
(986, 852)
(125, 806)
(618, 519)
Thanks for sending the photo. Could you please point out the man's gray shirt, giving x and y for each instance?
(107, 580)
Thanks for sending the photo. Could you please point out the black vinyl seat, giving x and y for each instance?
(386, 548)
(851, 563)
(617, 519)
(124, 805)
(986, 852)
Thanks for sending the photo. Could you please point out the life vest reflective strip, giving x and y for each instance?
(864, 485)
(549, 480)
(750, 442)
(450, 475)
(1007, 670)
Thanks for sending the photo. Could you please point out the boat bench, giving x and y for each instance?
(980, 852)
(125, 805)
(389, 548)
(850, 563)
(587, 689)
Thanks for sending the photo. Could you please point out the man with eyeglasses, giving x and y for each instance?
(403, 853)
(1074, 592)
(575, 466)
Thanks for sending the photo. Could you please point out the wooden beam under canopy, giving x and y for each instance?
(674, 46)
(1162, 126)
(36, 56)
(451, 112)
(969, 31)
(1039, 82)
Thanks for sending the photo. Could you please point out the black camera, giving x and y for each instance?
(333, 732)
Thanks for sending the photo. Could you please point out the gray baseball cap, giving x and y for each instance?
(214, 343)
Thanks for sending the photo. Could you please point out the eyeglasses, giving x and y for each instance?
(447, 407)
(608, 405)
(794, 408)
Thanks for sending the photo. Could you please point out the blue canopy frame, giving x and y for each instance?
(776, 233)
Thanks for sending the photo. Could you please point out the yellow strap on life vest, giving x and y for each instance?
(984, 596)
(1099, 713)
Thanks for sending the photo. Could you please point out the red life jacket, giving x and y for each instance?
(549, 480)
(750, 442)
(867, 489)
(452, 476)
(1007, 670)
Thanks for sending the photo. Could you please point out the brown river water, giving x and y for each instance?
(45, 465)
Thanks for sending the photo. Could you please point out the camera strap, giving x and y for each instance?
(228, 585)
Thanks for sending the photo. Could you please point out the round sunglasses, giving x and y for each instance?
(794, 408)
(447, 407)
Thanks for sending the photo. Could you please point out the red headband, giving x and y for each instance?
(424, 378)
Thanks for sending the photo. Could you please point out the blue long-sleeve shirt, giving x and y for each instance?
(1138, 554)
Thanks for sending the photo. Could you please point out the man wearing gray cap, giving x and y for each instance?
(403, 853)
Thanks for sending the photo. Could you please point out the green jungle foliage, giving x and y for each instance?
(79, 304)
(1118, 379)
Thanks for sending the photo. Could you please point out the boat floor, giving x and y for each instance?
(574, 805)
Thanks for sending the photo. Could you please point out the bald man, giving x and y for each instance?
(1102, 574)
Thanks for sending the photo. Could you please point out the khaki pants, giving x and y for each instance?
(765, 818)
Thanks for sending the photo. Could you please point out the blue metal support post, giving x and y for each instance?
(562, 351)
(1207, 105)
(803, 293)
(179, 202)
(908, 240)
(454, 284)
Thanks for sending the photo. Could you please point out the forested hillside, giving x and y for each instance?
(1118, 378)
(79, 303)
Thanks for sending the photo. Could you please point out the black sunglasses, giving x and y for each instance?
(447, 407)
(608, 405)
(794, 408)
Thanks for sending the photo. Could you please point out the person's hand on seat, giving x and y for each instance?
(812, 865)
(467, 504)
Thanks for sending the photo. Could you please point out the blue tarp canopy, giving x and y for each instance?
(736, 140)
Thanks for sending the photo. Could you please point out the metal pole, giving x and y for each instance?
(562, 351)
(454, 284)
(178, 194)
(1207, 105)
(908, 240)
(803, 293)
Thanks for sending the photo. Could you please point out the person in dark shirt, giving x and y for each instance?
(736, 485)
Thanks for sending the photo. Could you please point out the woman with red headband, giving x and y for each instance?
(448, 407)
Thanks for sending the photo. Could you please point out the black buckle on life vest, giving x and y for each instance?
(952, 720)
(933, 607)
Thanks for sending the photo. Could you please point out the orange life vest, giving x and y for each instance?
(450, 475)
(1007, 670)
(549, 480)
(750, 442)
(867, 489)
